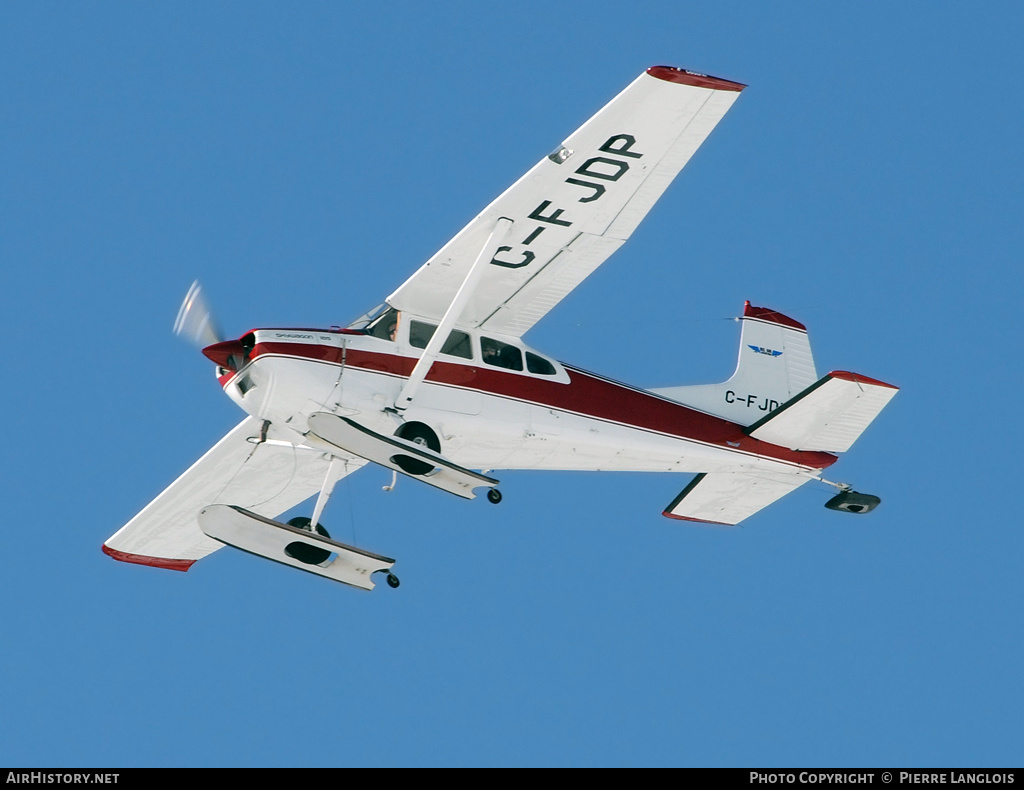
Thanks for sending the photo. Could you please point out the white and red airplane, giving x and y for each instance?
(438, 382)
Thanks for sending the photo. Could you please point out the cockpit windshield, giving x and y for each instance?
(385, 325)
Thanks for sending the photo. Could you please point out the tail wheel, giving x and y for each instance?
(853, 502)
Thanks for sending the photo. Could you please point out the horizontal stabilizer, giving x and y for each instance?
(726, 498)
(828, 416)
(262, 536)
(397, 454)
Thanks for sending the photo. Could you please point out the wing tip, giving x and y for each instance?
(694, 78)
(694, 520)
(153, 562)
(846, 375)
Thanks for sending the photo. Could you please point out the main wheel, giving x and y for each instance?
(419, 433)
(304, 552)
(423, 435)
(493, 496)
(392, 580)
(304, 523)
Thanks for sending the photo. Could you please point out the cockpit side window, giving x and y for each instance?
(501, 355)
(457, 345)
(384, 326)
(539, 365)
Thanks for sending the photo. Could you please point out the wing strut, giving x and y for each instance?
(419, 373)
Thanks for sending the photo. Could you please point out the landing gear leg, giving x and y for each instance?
(314, 555)
(334, 471)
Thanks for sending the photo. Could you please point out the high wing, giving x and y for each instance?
(576, 206)
(262, 470)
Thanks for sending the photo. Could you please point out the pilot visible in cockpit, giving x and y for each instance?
(385, 326)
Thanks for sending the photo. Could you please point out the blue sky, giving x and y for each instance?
(302, 160)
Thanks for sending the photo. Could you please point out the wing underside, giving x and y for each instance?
(726, 498)
(266, 472)
(575, 207)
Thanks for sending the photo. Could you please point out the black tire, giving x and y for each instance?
(419, 433)
(853, 502)
(493, 496)
(393, 581)
(303, 523)
(304, 552)
(412, 466)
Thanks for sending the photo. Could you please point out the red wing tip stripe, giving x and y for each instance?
(845, 375)
(774, 316)
(698, 80)
(696, 520)
(153, 562)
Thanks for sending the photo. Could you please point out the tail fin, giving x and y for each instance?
(775, 364)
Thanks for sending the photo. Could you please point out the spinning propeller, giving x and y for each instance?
(196, 324)
(195, 320)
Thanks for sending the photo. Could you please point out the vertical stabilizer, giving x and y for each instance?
(775, 364)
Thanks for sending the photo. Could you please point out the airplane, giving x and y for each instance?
(437, 384)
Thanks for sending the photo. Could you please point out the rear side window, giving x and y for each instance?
(457, 345)
(536, 364)
(501, 355)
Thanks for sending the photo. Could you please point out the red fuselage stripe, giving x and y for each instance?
(585, 394)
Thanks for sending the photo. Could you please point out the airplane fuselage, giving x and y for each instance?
(490, 417)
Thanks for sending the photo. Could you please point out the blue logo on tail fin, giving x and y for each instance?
(767, 351)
